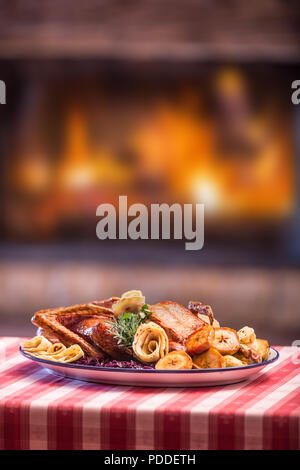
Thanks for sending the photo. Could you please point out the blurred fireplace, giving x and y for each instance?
(188, 104)
(161, 106)
(84, 132)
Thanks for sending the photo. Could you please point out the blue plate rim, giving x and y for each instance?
(173, 371)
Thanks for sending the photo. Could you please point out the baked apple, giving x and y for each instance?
(175, 360)
(210, 359)
(226, 341)
(200, 340)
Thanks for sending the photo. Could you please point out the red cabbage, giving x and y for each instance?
(90, 361)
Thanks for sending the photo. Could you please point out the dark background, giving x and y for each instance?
(164, 103)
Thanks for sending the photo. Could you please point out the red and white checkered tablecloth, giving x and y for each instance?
(39, 410)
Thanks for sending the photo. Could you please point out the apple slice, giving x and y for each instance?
(175, 360)
(226, 341)
(210, 359)
(200, 340)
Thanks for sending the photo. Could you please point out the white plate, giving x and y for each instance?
(155, 378)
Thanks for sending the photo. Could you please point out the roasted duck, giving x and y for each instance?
(87, 325)
(127, 329)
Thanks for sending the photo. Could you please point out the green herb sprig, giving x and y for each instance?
(125, 326)
(144, 313)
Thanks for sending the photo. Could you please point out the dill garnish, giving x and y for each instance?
(125, 325)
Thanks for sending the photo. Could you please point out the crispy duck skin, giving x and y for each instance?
(47, 333)
(177, 321)
(198, 307)
(89, 326)
(84, 324)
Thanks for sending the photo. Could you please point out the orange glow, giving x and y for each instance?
(83, 167)
(237, 163)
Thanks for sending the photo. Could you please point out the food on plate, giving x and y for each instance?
(173, 346)
(56, 352)
(89, 325)
(231, 361)
(254, 352)
(210, 359)
(262, 347)
(125, 326)
(201, 340)
(70, 354)
(226, 341)
(131, 301)
(248, 354)
(113, 363)
(150, 342)
(175, 360)
(126, 332)
(246, 335)
(204, 312)
(177, 321)
(36, 344)
(56, 348)
(205, 318)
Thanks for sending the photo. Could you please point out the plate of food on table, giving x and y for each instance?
(125, 341)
